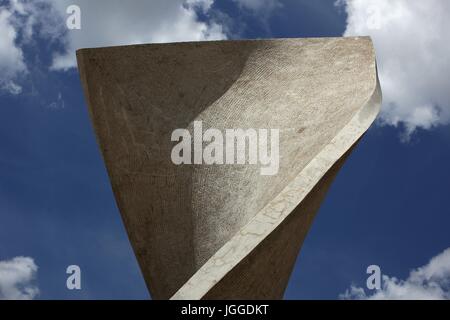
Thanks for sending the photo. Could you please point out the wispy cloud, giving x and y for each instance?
(21, 21)
(413, 46)
(16, 279)
(430, 282)
(11, 55)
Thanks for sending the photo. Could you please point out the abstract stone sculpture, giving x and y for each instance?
(226, 231)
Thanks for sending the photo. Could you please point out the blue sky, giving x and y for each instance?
(389, 205)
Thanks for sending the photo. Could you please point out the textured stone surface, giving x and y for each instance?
(226, 231)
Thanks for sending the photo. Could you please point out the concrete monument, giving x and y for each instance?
(221, 230)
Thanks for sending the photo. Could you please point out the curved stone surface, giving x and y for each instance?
(226, 231)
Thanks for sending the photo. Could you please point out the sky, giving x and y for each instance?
(389, 205)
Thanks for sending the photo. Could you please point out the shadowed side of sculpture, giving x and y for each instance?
(137, 97)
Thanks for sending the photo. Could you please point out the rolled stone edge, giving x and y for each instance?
(278, 209)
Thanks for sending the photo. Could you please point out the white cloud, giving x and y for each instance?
(11, 56)
(430, 282)
(412, 41)
(116, 22)
(16, 279)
